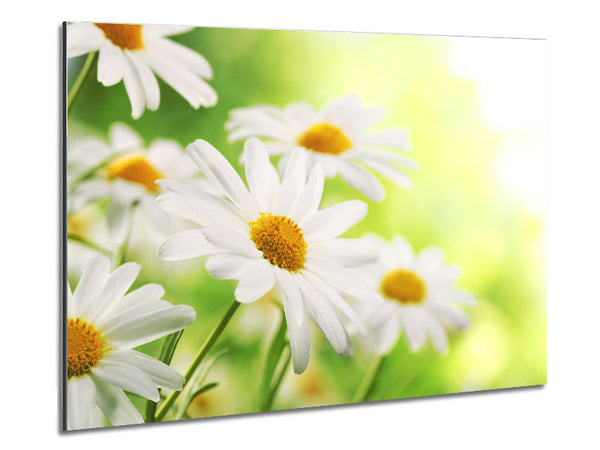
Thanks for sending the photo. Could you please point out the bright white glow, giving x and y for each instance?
(511, 80)
(510, 75)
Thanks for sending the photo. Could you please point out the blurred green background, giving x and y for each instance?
(465, 200)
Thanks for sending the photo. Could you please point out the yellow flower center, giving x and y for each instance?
(125, 36)
(403, 286)
(325, 138)
(281, 241)
(85, 347)
(137, 169)
(77, 225)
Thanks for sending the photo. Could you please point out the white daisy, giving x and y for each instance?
(274, 236)
(420, 296)
(134, 53)
(127, 176)
(336, 137)
(103, 325)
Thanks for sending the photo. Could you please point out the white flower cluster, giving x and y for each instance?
(269, 232)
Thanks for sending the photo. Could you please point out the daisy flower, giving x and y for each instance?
(103, 325)
(420, 297)
(274, 236)
(134, 53)
(124, 171)
(336, 137)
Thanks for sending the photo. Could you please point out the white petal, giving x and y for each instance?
(189, 85)
(127, 377)
(153, 325)
(394, 174)
(387, 333)
(158, 223)
(147, 292)
(124, 312)
(218, 170)
(330, 222)
(394, 138)
(429, 259)
(350, 252)
(183, 56)
(403, 251)
(309, 201)
(170, 158)
(81, 398)
(336, 300)
(90, 285)
(362, 180)
(350, 114)
(450, 316)
(335, 109)
(262, 177)
(111, 64)
(464, 298)
(380, 155)
(302, 112)
(414, 329)
(342, 279)
(291, 293)
(185, 245)
(119, 282)
(264, 121)
(126, 191)
(118, 217)
(164, 30)
(202, 208)
(160, 373)
(323, 315)
(135, 89)
(123, 138)
(97, 418)
(83, 38)
(299, 335)
(227, 266)
(292, 182)
(349, 351)
(437, 333)
(115, 405)
(147, 79)
(228, 239)
(174, 187)
(258, 279)
(89, 191)
(448, 273)
(70, 306)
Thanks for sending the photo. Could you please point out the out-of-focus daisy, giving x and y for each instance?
(103, 325)
(336, 137)
(134, 53)
(88, 236)
(421, 299)
(125, 171)
(274, 236)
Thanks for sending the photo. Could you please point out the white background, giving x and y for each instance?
(565, 412)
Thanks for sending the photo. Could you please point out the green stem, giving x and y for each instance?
(208, 344)
(89, 244)
(121, 256)
(370, 380)
(278, 379)
(166, 354)
(85, 70)
(276, 348)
